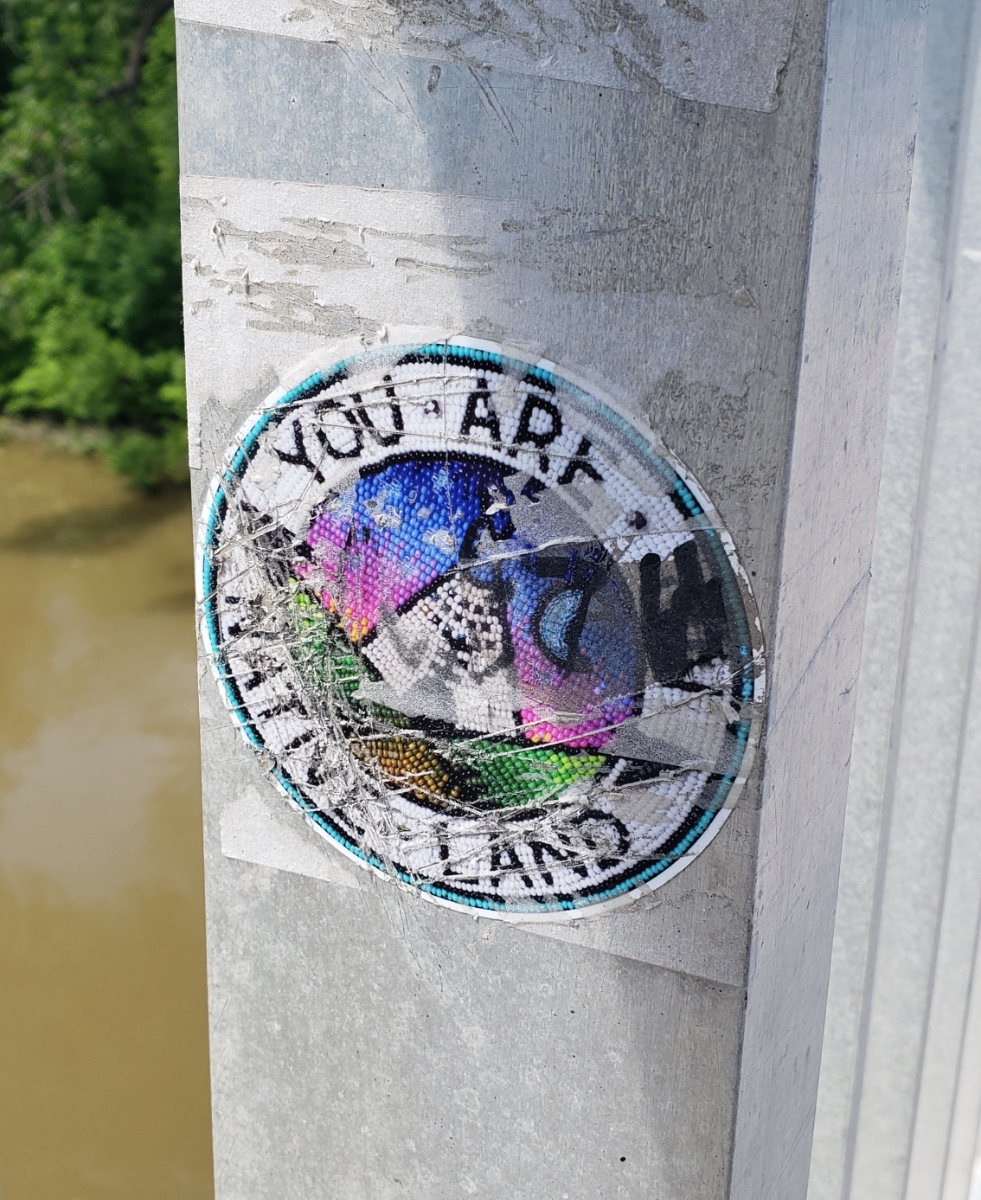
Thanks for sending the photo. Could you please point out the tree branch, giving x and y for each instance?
(134, 68)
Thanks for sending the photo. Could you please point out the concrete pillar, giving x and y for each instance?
(900, 1090)
(538, 366)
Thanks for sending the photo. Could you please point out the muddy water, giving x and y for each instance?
(103, 1037)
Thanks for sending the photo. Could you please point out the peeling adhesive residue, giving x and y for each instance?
(718, 51)
(487, 636)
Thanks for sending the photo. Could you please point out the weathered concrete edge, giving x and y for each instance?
(254, 831)
(864, 165)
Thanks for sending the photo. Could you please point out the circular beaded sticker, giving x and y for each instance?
(491, 638)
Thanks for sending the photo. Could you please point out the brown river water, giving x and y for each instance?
(103, 1028)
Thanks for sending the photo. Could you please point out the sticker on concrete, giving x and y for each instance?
(484, 631)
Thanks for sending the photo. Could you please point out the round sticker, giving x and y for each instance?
(490, 637)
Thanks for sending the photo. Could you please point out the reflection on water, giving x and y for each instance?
(103, 1035)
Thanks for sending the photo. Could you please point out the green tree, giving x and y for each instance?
(90, 329)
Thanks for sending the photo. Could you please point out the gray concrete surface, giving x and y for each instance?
(367, 1044)
(900, 1092)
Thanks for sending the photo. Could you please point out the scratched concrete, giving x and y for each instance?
(720, 51)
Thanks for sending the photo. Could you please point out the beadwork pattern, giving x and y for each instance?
(493, 641)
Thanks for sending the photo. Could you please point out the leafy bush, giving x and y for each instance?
(90, 329)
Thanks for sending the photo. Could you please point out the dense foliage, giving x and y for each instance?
(90, 328)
